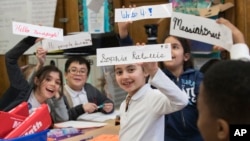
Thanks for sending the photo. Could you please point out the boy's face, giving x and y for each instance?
(209, 125)
(130, 77)
(76, 76)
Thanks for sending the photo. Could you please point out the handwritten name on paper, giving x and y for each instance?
(133, 54)
(200, 29)
(70, 41)
(143, 12)
(37, 31)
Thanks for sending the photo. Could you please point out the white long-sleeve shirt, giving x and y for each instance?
(239, 51)
(144, 119)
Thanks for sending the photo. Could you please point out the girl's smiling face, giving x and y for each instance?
(50, 86)
(178, 55)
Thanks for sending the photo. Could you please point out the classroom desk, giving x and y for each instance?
(110, 128)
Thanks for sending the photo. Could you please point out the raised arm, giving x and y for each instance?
(176, 98)
(239, 50)
(16, 77)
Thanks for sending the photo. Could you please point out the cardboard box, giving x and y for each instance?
(215, 9)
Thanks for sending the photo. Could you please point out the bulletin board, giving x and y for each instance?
(38, 12)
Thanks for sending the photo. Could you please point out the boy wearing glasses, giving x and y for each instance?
(80, 96)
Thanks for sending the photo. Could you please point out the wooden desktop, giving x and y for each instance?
(110, 128)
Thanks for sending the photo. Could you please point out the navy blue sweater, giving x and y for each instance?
(182, 125)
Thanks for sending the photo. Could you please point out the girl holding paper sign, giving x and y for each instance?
(46, 86)
(142, 113)
(180, 125)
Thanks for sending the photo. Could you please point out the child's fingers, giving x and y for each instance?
(38, 40)
(140, 44)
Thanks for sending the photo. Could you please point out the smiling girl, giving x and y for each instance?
(46, 86)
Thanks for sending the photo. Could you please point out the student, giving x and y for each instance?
(224, 92)
(224, 99)
(46, 86)
(180, 125)
(82, 97)
(142, 117)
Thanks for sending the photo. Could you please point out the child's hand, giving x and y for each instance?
(89, 107)
(38, 40)
(108, 107)
(218, 48)
(238, 36)
(123, 27)
(149, 67)
(41, 56)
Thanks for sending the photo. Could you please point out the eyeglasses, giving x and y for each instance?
(75, 71)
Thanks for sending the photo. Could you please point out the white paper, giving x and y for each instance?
(95, 19)
(70, 41)
(143, 12)
(98, 116)
(39, 12)
(200, 29)
(133, 54)
(37, 31)
(95, 5)
(79, 124)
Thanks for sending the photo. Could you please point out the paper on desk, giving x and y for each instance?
(106, 137)
(79, 124)
(98, 116)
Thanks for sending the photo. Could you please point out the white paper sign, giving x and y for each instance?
(70, 41)
(143, 12)
(200, 29)
(37, 31)
(39, 12)
(133, 54)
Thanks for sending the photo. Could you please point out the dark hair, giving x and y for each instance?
(226, 91)
(43, 72)
(78, 59)
(187, 49)
(208, 64)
